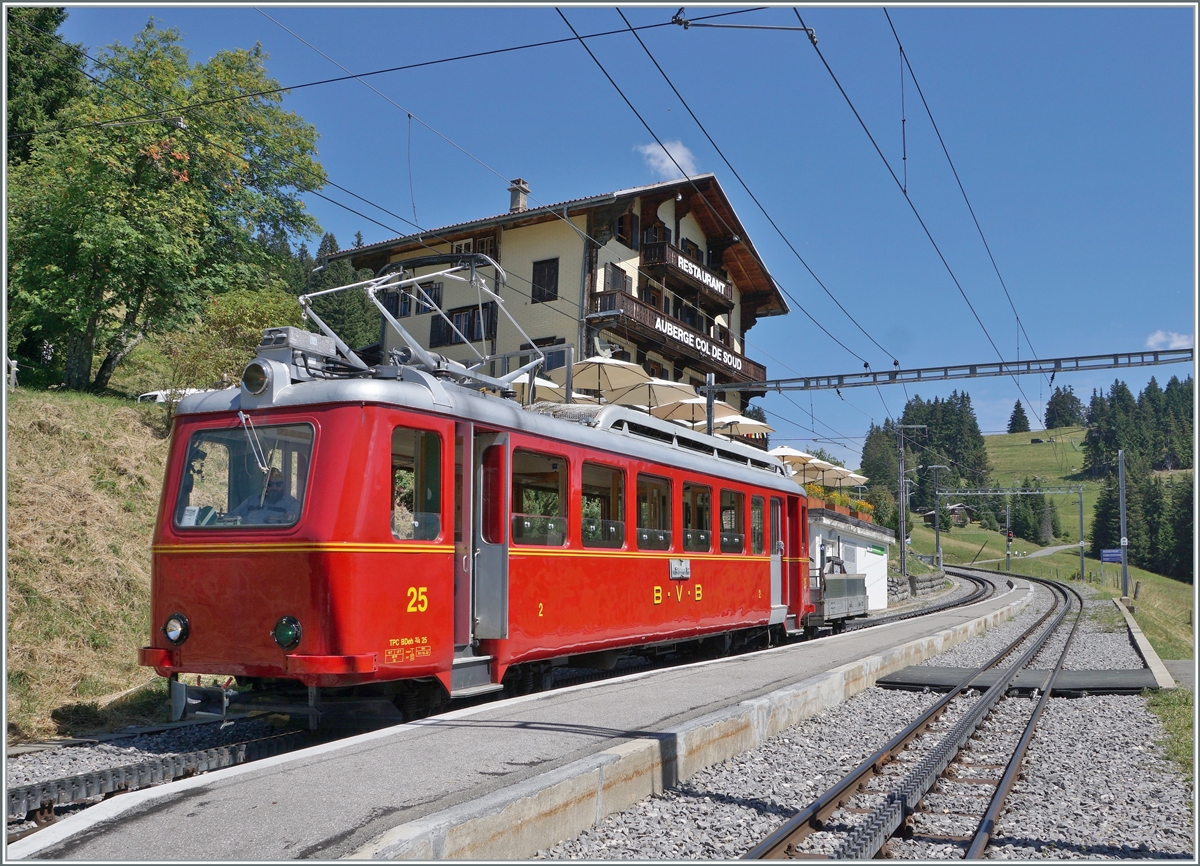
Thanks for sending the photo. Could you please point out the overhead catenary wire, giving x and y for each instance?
(812, 40)
(554, 213)
(958, 180)
(749, 192)
(191, 132)
(323, 179)
(373, 72)
(680, 169)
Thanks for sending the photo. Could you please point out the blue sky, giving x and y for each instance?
(1072, 130)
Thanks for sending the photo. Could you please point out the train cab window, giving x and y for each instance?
(539, 484)
(697, 518)
(226, 484)
(654, 513)
(416, 484)
(603, 506)
(756, 525)
(733, 522)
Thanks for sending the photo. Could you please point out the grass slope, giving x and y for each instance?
(84, 475)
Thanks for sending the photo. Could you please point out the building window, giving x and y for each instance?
(616, 280)
(657, 233)
(654, 368)
(692, 250)
(486, 246)
(555, 357)
(468, 322)
(433, 291)
(545, 281)
(625, 230)
(464, 246)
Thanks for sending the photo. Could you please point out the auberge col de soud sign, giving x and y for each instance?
(704, 346)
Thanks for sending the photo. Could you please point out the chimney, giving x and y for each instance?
(519, 190)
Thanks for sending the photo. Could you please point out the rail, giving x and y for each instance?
(867, 839)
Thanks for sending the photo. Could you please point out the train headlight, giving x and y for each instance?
(176, 628)
(287, 632)
(256, 378)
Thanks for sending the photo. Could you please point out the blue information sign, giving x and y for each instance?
(1113, 555)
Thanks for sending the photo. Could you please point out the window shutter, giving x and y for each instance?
(635, 231)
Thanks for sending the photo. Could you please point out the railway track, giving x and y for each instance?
(36, 802)
(953, 746)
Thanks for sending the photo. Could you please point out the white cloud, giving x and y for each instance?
(659, 159)
(1168, 340)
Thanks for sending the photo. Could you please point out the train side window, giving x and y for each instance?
(697, 518)
(776, 526)
(539, 484)
(492, 522)
(416, 484)
(603, 506)
(733, 521)
(756, 524)
(653, 513)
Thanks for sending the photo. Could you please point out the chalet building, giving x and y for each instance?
(661, 275)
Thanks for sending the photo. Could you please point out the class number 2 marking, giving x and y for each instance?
(539, 608)
(418, 601)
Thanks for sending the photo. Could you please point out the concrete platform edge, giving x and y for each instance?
(515, 822)
(1161, 675)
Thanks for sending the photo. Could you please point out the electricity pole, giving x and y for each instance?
(1008, 536)
(901, 495)
(937, 514)
(1124, 537)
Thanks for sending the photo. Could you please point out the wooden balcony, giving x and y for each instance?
(666, 260)
(674, 336)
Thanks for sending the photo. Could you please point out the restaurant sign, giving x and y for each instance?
(701, 275)
(704, 346)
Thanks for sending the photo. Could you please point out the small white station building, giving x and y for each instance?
(862, 546)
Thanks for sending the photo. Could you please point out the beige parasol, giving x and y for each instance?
(692, 410)
(602, 374)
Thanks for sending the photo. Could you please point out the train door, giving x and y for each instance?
(463, 530)
(489, 560)
(775, 534)
(797, 532)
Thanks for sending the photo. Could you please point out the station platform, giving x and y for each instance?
(504, 779)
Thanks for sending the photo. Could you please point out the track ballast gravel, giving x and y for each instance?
(1094, 785)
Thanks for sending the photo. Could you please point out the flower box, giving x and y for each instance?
(815, 503)
(841, 509)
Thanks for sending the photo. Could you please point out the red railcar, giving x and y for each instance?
(393, 538)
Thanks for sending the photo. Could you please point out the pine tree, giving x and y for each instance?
(44, 74)
(1017, 421)
(1179, 563)
(349, 314)
(1064, 409)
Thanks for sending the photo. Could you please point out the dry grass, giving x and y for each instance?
(84, 476)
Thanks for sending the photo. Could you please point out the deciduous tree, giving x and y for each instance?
(119, 229)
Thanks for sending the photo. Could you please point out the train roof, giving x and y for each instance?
(615, 429)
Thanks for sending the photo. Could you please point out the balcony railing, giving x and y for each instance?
(671, 258)
(674, 334)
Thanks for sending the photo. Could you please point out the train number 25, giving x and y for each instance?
(418, 602)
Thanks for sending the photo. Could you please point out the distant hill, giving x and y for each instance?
(1056, 461)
